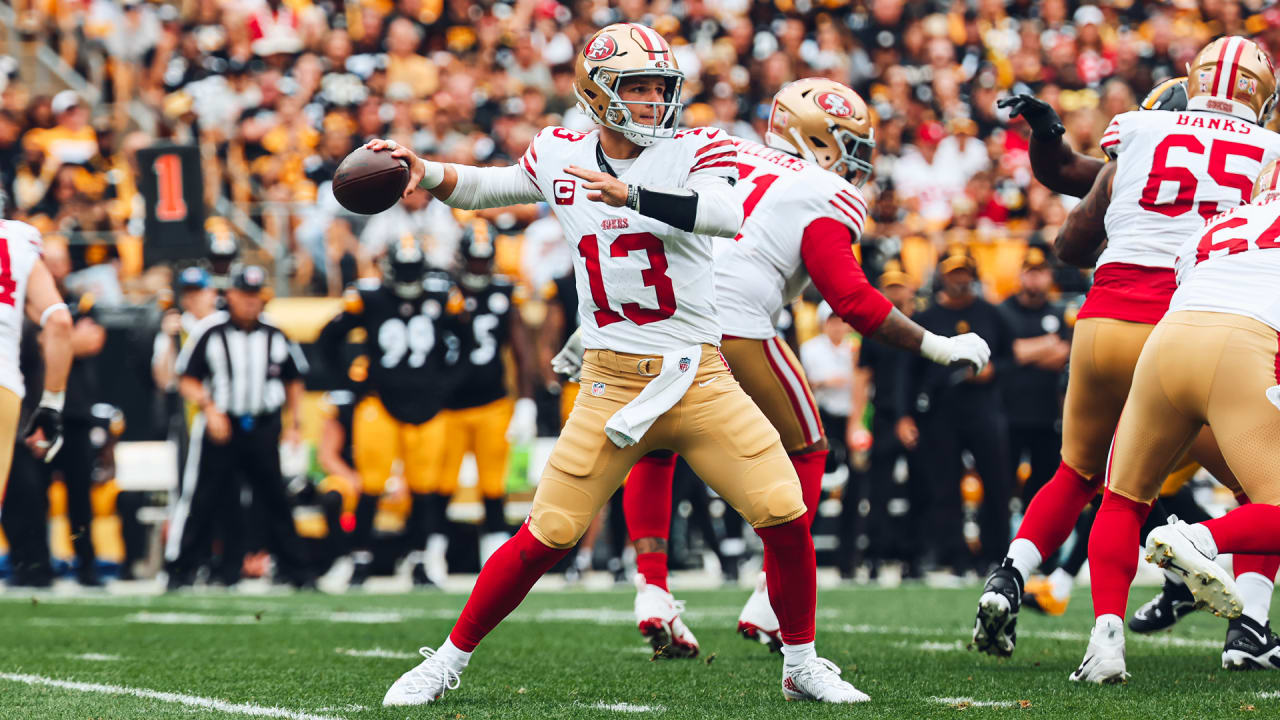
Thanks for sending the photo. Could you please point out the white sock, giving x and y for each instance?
(1108, 622)
(793, 655)
(1060, 583)
(452, 656)
(1255, 590)
(1025, 557)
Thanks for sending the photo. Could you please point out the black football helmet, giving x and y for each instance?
(475, 255)
(1170, 94)
(404, 266)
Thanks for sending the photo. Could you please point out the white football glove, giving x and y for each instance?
(523, 427)
(966, 348)
(569, 360)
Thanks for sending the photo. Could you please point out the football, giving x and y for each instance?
(368, 182)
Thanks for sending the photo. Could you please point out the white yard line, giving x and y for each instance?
(628, 707)
(176, 698)
(970, 702)
(95, 657)
(376, 653)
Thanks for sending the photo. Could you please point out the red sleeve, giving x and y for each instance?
(827, 251)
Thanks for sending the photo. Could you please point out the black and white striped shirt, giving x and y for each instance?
(245, 371)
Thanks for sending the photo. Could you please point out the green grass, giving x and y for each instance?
(562, 654)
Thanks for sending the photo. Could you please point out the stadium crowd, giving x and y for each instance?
(275, 94)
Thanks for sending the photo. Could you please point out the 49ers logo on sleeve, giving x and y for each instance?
(601, 48)
(834, 104)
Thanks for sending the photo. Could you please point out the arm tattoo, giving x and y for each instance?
(1084, 232)
(899, 331)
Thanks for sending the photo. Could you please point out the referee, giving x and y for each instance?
(239, 370)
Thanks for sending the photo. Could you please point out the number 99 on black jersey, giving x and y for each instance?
(414, 346)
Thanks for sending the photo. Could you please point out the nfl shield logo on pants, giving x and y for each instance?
(597, 388)
(684, 364)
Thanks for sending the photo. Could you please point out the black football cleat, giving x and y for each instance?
(420, 579)
(1250, 646)
(994, 629)
(1164, 610)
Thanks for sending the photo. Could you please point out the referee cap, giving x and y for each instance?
(250, 278)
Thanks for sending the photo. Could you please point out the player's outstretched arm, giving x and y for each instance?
(1084, 234)
(1053, 162)
(45, 307)
(463, 186)
(827, 251)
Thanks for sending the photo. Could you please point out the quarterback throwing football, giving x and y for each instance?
(641, 205)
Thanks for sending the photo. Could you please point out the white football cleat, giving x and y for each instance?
(819, 680)
(1189, 550)
(425, 683)
(757, 621)
(1104, 658)
(658, 618)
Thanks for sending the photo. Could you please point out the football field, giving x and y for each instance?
(575, 654)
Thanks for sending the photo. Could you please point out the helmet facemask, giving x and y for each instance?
(617, 115)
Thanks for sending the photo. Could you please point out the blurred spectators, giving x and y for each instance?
(276, 93)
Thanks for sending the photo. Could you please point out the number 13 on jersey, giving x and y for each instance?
(655, 276)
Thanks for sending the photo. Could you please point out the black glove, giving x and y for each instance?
(50, 421)
(1045, 123)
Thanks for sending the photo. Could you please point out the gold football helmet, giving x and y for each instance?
(826, 123)
(1233, 75)
(1268, 180)
(620, 51)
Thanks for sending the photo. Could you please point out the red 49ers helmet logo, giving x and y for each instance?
(600, 48)
(834, 104)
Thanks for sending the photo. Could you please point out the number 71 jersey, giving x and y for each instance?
(761, 270)
(1174, 171)
(643, 286)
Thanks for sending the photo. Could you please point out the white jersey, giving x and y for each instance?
(761, 271)
(643, 286)
(1233, 264)
(1174, 170)
(19, 250)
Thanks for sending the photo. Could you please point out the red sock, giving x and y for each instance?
(791, 571)
(1264, 565)
(653, 566)
(810, 466)
(1252, 528)
(1052, 513)
(1113, 552)
(502, 585)
(646, 497)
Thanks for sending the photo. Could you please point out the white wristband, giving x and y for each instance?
(432, 174)
(936, 348)
(44, 316)
(53, 400)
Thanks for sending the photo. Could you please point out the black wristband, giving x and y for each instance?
(633, 197)
(677, 209)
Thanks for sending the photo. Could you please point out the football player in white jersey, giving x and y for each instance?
(1213, 360)
(640, 204)
(1170, 171)
(803, 212)
(27, 290)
